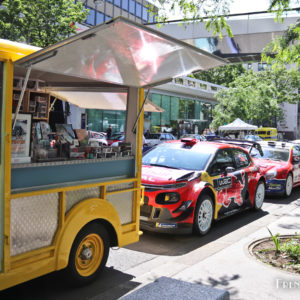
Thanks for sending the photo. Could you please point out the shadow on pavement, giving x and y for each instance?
(52, 287)
(222, 283)
(280, 199)
(173, 245)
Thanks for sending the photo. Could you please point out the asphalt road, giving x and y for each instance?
(143, 262)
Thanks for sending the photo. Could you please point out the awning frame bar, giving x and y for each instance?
(21, 95)
(140, 112)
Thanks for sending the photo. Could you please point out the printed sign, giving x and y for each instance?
(222, 183)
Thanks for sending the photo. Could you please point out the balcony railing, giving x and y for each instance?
(198, 84)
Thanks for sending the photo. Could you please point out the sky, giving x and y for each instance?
(242, 6)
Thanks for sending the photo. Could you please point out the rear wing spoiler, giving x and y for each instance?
(241, 143)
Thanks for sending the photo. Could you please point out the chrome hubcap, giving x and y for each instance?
(260, 195)
(289, 185)
(205, 215)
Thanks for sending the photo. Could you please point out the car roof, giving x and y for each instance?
(204, 145)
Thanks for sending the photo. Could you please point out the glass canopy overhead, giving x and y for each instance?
(119, 52)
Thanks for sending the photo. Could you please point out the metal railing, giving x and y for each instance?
(197, 84)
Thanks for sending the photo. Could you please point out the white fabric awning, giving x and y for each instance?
(100, 100)
(238, 124)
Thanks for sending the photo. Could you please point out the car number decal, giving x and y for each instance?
(222, 183)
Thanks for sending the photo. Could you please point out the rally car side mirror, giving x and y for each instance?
(229, 170)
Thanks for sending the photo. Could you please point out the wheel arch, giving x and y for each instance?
(86, 212)
(207, 190)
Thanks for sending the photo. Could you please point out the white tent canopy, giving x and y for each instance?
(100, 100)
(237, 125)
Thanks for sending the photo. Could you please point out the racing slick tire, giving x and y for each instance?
(259, 195)
(88, 255)
(203, 216)
(288, 185)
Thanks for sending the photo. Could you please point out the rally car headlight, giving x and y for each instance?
(167, 198)
(271, 174)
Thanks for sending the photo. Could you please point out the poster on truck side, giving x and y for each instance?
(20, 140)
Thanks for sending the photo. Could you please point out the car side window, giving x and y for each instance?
(221, 161)
(296, 154)
(241, 158)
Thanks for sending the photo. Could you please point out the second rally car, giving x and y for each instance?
(188, 184)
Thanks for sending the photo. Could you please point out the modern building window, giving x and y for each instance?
(107, 18)
(145, 14)
(132, 7)
(100, 18)
(117, 3)
(166, 105)
(262, 66)
(155, 117)
(138, 10)
(91, 16)
(125, 5)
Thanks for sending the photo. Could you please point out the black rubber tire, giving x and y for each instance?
(71, 274)
(285, 192)
(196, 227)
(258, 207)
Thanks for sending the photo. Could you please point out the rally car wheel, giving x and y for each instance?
(288, 185)
(259, 195)
(203, 215)
(88, 255)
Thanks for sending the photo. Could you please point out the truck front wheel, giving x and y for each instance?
(88, 255)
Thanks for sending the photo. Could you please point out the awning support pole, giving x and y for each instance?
(52, 104)
(139, 114)
(22, 95)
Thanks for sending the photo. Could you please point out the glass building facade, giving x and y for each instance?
(181, 114)
(102, 11)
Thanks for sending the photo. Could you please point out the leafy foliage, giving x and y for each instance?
(284, 49)
(212, 13)
(40, 22)
(276, 240)
(223, 75)
(256, 97)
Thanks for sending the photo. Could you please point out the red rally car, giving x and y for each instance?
(280, 163)
(188, 184)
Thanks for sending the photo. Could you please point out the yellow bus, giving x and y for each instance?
(267, 133)
(63, 202)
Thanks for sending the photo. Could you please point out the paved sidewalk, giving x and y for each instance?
(233, 269)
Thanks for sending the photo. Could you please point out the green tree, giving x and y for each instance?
(40, 22)
(223, 75)
(256, 97)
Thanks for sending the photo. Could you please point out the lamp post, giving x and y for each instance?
(97, 2)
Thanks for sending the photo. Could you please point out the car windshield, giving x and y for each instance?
(173, 156)
(272, 154)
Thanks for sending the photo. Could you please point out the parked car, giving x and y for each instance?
(96, 138)
(116, 137)
(280, 163)
(195, 136)
(157, 138)
(253, 137)
(189, 183)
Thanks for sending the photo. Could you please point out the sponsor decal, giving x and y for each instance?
(222, 183)
(164, 225)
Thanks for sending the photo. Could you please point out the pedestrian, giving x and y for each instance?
(108, 132)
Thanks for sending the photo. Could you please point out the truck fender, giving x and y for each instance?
(83, 213)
